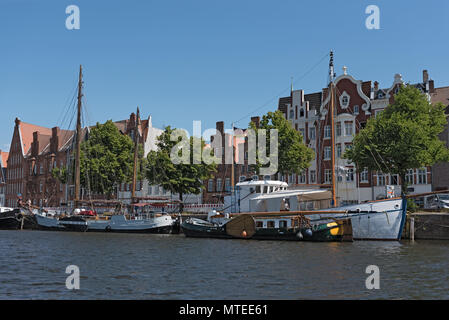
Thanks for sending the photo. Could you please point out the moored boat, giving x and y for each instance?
(293, 228)
(372, 220)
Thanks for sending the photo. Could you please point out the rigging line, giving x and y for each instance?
(69, 109)
(66, 102)
(284, 90)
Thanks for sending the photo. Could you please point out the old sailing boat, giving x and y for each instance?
(119, 221)
(271, 206)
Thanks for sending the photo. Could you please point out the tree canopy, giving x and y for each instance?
(181, 178)
(293, 155)
(403, 136)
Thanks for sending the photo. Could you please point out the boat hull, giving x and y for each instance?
(378, 220)
(319, 233)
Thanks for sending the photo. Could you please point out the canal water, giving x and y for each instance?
(128, 266)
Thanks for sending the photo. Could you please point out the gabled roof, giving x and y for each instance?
(314, 100)
(26, 132)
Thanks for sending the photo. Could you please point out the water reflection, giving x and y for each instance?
(118, 266)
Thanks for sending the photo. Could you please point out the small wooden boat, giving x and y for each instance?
(245, 226)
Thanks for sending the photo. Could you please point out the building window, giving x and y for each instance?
(327, 176)
(291, 178)
(312, 176)
(228, 185)
(210, 185)
(409, 177)
(292, 113)
(312, 133)
(338, 129)
(327, 132)
(422, 176)
(301, 113)
(218, 185)
(356, 109)
(364, 176)
(339, 150)
(41, 169)
(348, 128)
(302, 177)
(327, 153)
(394, 179)
(350, 174)
(380, 179)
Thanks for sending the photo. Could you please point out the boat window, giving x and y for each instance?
(270, 224)
(259, 224)
(257, 189)
(265, 189)
(282, 224)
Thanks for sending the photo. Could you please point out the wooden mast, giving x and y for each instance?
(136, 144)
(78, 140)
(331, 78)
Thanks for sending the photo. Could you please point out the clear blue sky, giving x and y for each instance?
(203, 59)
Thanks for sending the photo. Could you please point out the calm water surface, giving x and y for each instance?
(127, 266)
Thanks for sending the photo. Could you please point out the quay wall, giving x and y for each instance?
(428, 226)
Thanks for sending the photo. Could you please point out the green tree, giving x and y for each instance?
(181, 178)
(107, 159)
(293, 155)
(403, 136)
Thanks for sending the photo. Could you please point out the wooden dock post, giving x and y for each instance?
(412, 228)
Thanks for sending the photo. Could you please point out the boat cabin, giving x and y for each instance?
(269, 195)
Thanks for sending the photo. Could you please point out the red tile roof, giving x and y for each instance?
(26, 132)
(4, 158)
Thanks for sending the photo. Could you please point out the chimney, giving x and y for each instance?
(425, 76)
(256, 121)
(376, 86)
(219, 126)
(431, 86)
(35, 144)
(17, 121)
(54, 141)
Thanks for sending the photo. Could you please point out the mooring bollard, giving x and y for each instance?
(412, 228)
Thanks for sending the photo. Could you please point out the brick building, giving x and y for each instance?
(356, 101)
(219, 185)
(440, 171)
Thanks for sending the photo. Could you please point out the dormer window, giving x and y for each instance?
(380, 95)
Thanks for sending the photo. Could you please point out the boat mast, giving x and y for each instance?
(136, 144)
(331, 83)
(78, 140)
(232, 166)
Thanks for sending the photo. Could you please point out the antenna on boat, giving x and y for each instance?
(331, 89)
(78, 140)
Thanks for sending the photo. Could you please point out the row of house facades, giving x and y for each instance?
(35, 150)
(356, 101)
(26, 171)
